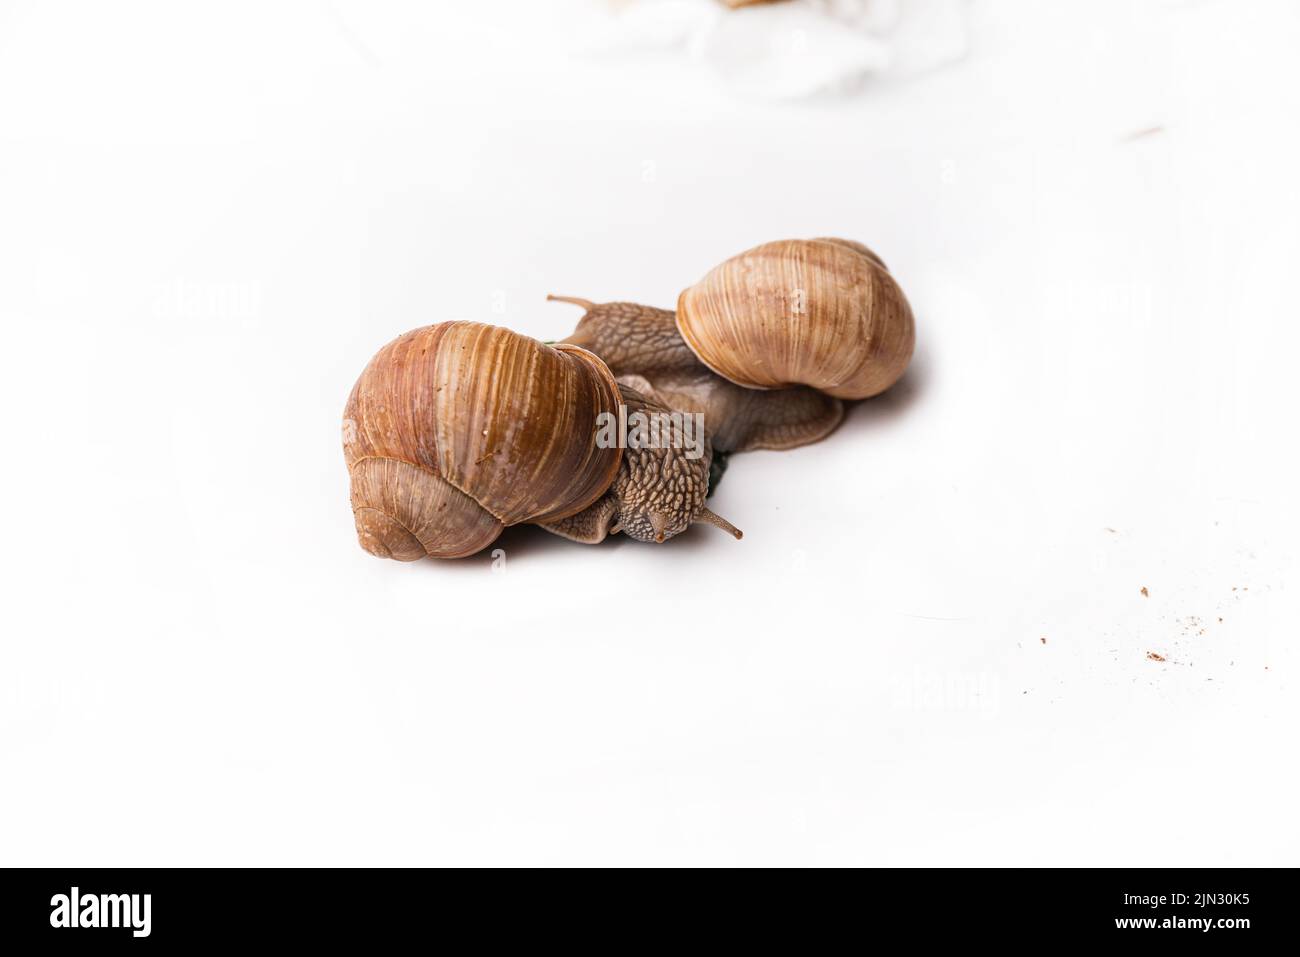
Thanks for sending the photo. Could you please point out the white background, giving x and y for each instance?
(931, 646)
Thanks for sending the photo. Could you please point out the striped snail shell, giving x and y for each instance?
(819, 312)
(456, 430)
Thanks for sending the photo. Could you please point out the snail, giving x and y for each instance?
(767, 345)
(457, 430)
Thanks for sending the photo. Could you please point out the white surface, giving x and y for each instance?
(212, 215)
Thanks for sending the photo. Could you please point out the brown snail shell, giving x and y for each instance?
(457, 430)
(824, 313)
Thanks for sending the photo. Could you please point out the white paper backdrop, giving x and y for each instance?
(931, 646)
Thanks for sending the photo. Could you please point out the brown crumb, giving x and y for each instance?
(1142, 134)
(1043, 639)
(1145, 593)
(1152, 656)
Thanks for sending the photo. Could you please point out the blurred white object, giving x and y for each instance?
(654, 25)
(788, 50)
(797, 48)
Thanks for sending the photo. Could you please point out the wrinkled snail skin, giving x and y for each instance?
(632, 338)
(819, 312)
(659, 491)
(644, 350)
(455, 431)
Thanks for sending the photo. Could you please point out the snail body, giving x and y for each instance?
(643, 348)
(455, 431)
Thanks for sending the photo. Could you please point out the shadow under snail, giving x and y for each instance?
(457, 430)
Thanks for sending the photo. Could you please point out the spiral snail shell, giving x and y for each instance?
(819, 312)
(457, 430)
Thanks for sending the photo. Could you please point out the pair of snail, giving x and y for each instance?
(457, 430)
